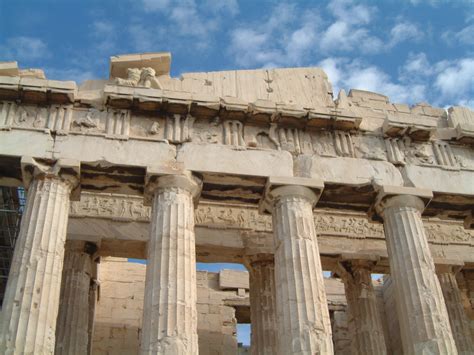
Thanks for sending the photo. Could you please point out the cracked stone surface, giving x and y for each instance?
(30, 307)
(421, 309)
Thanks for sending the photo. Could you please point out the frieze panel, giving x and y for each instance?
(89, 121)
(212, 215)
(117, 124)
(234, 133)
(444, 155)
(178, 129)
(343, 144)
(55, 118)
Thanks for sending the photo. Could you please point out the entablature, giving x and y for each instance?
(237, 129)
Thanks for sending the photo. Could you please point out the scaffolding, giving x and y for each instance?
(12, 204)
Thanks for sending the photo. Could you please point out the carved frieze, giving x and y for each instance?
(234, 133)
(444, 155)
(213, 215)
(343, 144)
(7, 114)
(54, 118)
(118, 124)
(144, 77)
(396, 148)
(59, 119)
(179, 128)
(294, 140)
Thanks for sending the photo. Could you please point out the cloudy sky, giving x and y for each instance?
(412, 51)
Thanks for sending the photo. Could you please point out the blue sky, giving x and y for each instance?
(411, 50)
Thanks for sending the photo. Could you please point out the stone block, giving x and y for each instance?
(160, 62)
(232, 279)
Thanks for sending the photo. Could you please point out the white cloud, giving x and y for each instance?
(443, 83)
(180, 23)
(222, 6)
(346, 74)
(287, 37)
(404, 31)
(24, 48)
(348, 12)
(415, 66)
(456, 81)
(342, 36)
(464, 36)
(104, 34)
(155, 5)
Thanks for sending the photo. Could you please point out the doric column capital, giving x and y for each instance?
(258, 259)
(347, 265)
(282, 187)
(400, 196)
(183, 179)
(66, 170)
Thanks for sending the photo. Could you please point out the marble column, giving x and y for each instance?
(72, 333)
(262, 304)
(365, 324)
(30, 306)
(93, 293)
(169, 312)
(304, 325)
(457, 316)
(422, 313)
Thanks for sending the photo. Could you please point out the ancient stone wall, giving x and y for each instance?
(223, 298)
(120, 306)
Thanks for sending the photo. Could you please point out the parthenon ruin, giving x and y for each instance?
(258, 167)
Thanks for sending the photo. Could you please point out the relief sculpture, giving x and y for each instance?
(145, 77)
(215, 215)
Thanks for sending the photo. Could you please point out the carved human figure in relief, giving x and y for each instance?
(133, 78)
(145, 77)
(148, 79)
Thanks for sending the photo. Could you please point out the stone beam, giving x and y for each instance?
(226, 232)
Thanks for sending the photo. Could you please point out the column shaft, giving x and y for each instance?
(262, 307)
(169, 313)
(422, 313)
(303, 316)
(457, 316)
(364, 320)
(72, 334)
(30, 307)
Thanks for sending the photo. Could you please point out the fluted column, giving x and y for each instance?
(262, 304)
(72, 333)
(169, 312)
(93, 293)
(457, 316)
(422, 313)
(31, 302)
(304, 325)
(364, 319)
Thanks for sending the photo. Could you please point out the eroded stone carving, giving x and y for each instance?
(234, 133)
(294, 140)
(118, 124)
(343, 144)
(145, 77)
(7, 114)
(87, 121)
(396, 148)
(59, 119)
(214, 215)
(444, 155)
(179, 129)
